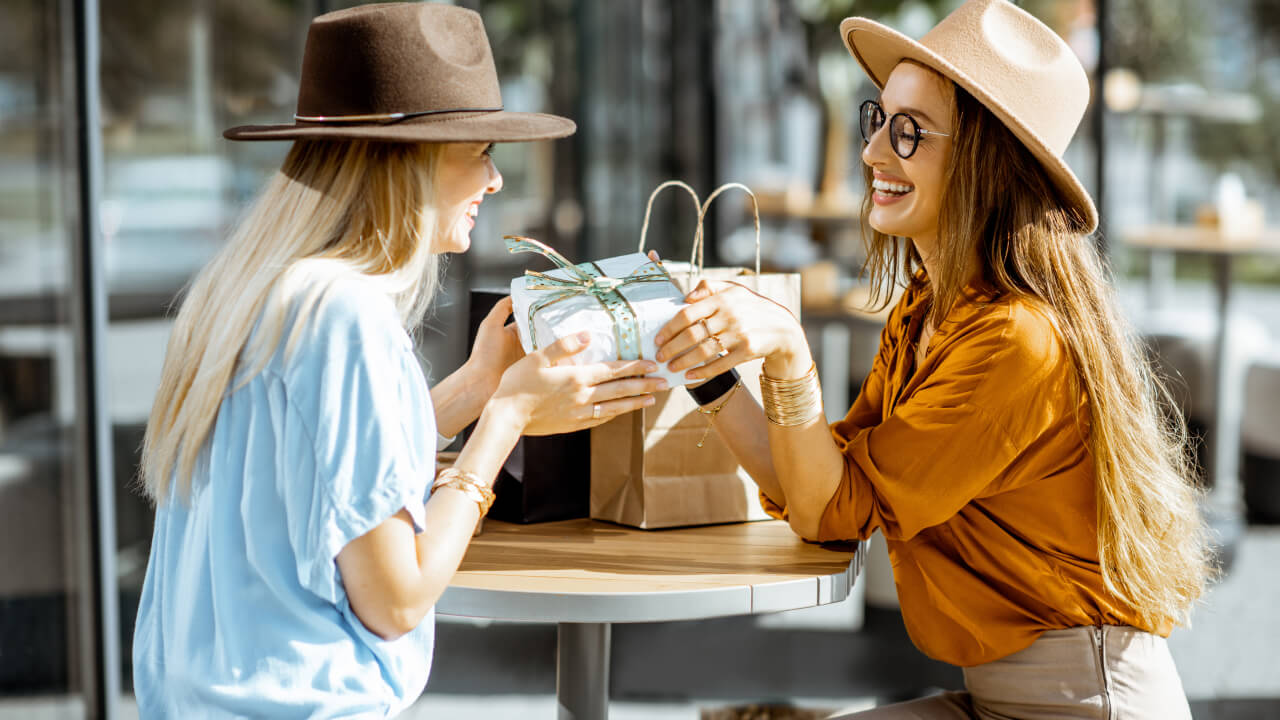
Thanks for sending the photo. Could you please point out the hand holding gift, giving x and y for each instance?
(620, 303)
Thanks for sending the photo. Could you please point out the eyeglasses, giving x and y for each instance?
(904, 131)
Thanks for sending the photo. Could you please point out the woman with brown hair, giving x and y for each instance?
(302, 533)
(1010, 443)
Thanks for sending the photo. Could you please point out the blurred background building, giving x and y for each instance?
(1183, 141)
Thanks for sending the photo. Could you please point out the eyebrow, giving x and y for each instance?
(912, 111)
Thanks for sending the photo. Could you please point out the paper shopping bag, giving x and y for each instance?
(646, 467)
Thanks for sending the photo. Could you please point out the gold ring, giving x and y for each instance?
(595, 411)
(703, 323)
(723, 350)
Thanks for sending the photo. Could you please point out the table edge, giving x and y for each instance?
(658, 606)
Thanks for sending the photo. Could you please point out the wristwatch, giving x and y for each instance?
(715, 388)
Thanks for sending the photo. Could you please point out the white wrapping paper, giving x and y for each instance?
(654, 304)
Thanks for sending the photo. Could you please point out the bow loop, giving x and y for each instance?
(587, 282)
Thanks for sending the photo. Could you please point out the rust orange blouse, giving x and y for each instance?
(975, 468)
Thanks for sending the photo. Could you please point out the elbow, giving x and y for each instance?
(392, 620)
(804, 523)
(397, 622)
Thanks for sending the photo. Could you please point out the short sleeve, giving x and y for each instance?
(362, 438)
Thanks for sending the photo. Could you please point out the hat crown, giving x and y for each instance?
(397, 58)
(1021, 64)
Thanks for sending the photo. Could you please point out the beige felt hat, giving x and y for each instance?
(403, 72)
(1010, 62)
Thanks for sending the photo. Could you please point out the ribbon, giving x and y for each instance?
(588, 279)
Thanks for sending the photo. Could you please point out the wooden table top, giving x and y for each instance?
(591, 571)
(1194, 238)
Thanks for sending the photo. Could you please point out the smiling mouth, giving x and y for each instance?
(891, 189)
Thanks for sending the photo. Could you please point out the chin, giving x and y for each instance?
(886, 226)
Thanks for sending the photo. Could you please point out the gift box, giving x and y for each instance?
(621, 301)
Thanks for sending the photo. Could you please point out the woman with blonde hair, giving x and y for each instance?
(302, 535)
(1010, 444)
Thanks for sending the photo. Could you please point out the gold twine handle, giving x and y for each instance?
(699, 239)
(648, 210)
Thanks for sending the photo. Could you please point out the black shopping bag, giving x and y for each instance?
(547, 477)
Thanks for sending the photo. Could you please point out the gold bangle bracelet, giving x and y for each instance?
(792, 402)
(467, 483)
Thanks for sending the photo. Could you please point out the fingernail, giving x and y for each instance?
(691, 375)
(649, 401)
(584, 336)
(660, 356)
(651, 367)
(663, 384)
(659, 339)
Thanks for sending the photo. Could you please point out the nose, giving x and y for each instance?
(495, 179)
(875, 152)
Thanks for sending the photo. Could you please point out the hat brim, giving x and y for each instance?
(494, 126)
(879, 49)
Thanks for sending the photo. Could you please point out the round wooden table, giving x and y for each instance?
(585, 575)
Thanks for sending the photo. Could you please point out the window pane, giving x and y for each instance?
(40, 505)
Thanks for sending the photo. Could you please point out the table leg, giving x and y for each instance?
(1226, 502)
(1225, 439)
(582, 671)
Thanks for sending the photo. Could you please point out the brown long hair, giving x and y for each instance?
(1152, 542)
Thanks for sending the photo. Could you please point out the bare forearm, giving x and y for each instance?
(394, 578)
(807, 462)
(809, 469)
(451, 516)
(743, 428)
(459, 399)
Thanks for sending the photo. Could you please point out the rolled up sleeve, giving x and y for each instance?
(950, 439)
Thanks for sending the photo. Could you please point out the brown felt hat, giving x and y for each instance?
(1012, 63)
(403, 72)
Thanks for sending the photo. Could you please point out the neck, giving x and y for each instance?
(925, 249)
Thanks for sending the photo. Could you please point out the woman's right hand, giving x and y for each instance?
(551, 395)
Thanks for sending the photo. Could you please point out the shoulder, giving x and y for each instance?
(1012, 354)
(335, 317)
(337, 304)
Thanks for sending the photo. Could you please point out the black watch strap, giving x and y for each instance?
(715, 388)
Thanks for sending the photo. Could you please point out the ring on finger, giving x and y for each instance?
(706, 328)
(723, 350)
(595, 411)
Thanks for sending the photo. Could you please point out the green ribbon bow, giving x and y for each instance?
(588, 279)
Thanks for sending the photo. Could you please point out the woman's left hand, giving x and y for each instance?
(497, 347)
(725, 325)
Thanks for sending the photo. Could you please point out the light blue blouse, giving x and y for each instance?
(243, 612)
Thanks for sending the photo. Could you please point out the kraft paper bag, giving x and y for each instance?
(647, 470)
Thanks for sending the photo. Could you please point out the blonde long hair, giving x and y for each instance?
(1152, 542)
(334, 207)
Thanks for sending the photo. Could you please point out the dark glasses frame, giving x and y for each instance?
(871, 113)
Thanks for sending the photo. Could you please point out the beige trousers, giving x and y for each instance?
(1107, 673)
